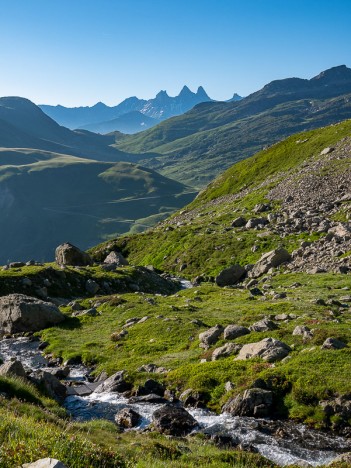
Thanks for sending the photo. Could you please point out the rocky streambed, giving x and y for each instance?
(283, 442)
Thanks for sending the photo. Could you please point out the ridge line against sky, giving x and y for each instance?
(81, 52)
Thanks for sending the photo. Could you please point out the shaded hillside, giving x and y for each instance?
(24, 125)
(132, 122)
(293, 190)
(47, 199)
(215, 135)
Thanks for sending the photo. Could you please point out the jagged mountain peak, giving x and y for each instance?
(334, 74)
(185, 92)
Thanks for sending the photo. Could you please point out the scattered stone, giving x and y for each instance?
(263, 326)
(343, 460)
(150, 398)
(210, 336)
(234, 331)
(302, 330)
(20, 313)
(224, 351)
(151, 386)
(13, 368)
(152, 369)
(239, 222)
(254, 402)
(172, 420)
(91, 286)
(68, 254)
(230, 276)
(45, 463)
(333, 343)
(269, 349)
(256, 292)
(115, 383)
(127, 418)
(193, 398)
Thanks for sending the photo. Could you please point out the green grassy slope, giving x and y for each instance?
(215, 135)
(48, 198)
(200, 236)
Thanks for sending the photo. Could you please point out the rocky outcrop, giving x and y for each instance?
(193, 398)
(115, 383)
(269, 260)
(230, 276)
(127, 418)
(20, 313)
(253, 402)
(68, 254)
(51, 384)
(210, 336)
(333, 343)
(172, 420)
(269, 349)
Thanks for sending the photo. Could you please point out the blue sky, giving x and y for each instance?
(79, 52)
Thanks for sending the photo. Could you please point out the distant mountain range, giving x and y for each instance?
(127, 117)
(197, 146)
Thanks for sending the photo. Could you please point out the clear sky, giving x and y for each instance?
(79, 52)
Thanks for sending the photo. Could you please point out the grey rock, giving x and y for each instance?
(234, 331)
(268, 349)
(51, 383)
(115, 383)
(333, 343)
(12, 368)
(91, 286)
(173, 420)
(344, 459)
(116, 258)
(127, 418)
(68, 254)
(193, 398)
(253, 402)
(254, 222)
(230, 276)
(45, 463)
(224, 351)
(239, 222)
(269, 260)
(263, 326)
(20, 313)
(210, 336)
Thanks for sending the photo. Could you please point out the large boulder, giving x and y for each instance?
(210, 336)
(45, 463)
(116, 258)
(268, 349)
(172, 420)
(127, 418)
(253, 402)
(230, 276)
(52, 385)
(115, 383)
(20, 313)
(68, 254)
(271, 259)
(13, 368)
(234, 331)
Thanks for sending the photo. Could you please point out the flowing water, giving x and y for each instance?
(284, 443)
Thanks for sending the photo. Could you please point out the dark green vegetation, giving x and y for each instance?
(33, 426)
(48, 198)
(199, 239)
(213, 136)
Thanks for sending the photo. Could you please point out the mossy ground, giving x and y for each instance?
(169, 339)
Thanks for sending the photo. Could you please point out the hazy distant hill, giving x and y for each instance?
(48, 198)
(160, 108)
(195, 147)
(25, 125)
(129, 123)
